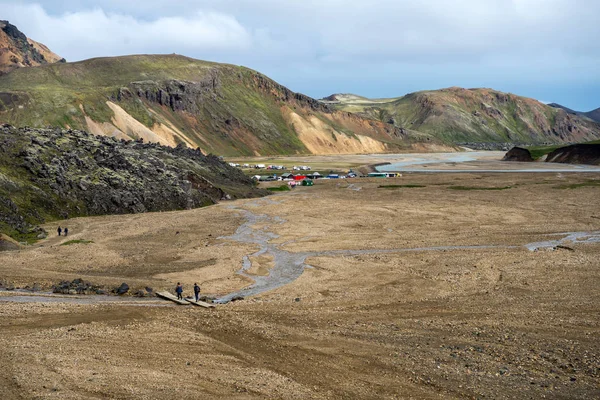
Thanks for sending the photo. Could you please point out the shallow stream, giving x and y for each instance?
(474, 161)
(288, 266)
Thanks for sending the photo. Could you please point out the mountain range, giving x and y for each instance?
(171, 99)
(232, 110)
(593, 115)
(473, 115)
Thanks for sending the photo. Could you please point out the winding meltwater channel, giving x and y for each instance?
(288, 266)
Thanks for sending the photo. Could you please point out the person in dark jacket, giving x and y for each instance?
(179, 291)
(197, 291)
(59, 230)
(66, 231)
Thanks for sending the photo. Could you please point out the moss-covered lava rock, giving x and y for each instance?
(48, 174)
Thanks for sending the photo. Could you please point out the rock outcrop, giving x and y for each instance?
(576, 154)
(17, 50)
(518, 154)
(53, 174)
(8, 244)
(175, 94)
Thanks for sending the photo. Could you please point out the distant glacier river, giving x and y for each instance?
(475, 161)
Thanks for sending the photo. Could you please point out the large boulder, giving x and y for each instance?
(518, 154)
(124, 288)
(8, 244)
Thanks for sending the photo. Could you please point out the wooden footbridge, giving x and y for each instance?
(168, 296)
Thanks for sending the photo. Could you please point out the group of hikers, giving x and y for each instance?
(179, 291)
(60, 231)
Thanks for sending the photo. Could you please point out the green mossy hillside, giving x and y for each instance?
(223, 109)
(457, 115)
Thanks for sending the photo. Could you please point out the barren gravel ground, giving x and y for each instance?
(494, 322)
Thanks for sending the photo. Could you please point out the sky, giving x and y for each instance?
(544, 49)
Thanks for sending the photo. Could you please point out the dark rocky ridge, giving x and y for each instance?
(188, 96)
(175, 94)
(576, 154)
(29, 54)
(12, 31)
(48, 174)
(282, 93)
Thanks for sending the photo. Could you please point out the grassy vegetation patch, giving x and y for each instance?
(410, 185)
(478, 188)
(540, 151)
(578, 185)
(77, 241)
(282, 188)
(537, 152)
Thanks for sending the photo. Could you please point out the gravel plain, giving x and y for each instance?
(494, 321)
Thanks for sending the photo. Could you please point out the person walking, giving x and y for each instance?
(59, 230)
(66, 231)
(197, 291)
(179, 291)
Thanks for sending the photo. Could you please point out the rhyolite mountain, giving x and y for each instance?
(171, 99)
(17, 50)
(593, 115)
(458, 115)
(49, 174)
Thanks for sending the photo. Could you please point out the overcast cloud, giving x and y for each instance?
(547, 49)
